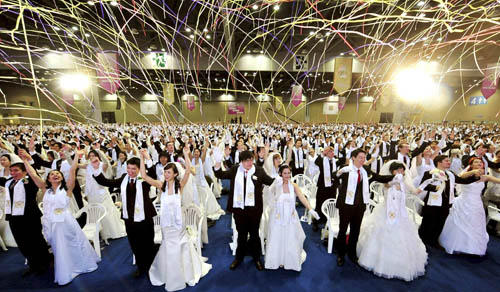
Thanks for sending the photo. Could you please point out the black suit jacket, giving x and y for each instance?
(411, 154)
(344, 178)
(31, 209)
(446, 193)
(321, 180)
(149, 209)
(262, 179)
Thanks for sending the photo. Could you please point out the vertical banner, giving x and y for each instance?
(342, 100)
(168, 94)
(490, 82)
(342, 77)
(296, 95)
(190, 102)
(108, 73)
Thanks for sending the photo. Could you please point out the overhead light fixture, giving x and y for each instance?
(91, 3)
(404, 14)
(342, 54)
(208, 37)
(162, 49)
(57, 28)
(276, 7)
(248, 51)
(439, 39)
(113, 3)
(328, 33)
(321, 40)
(261, 51)
(191, 36)
(352, 54)
(149, 49)
(188, 29)
(422, 15)
(255, 7)
(205, 30)
(87, 34)
(60, 49)
(74, 28)
(311, 32)
(421, 3)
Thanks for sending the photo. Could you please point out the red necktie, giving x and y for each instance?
(359, 176)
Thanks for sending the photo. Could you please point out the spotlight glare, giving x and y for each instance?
(113, 3)
(276, 7)
(74, 82)
(255, 7)
(414, 84)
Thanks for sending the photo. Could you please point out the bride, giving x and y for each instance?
(465, 228)
(389, 244)
(177, 261)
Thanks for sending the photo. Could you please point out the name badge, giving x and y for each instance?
(239, 198)
(250, 196)
(58, 211)
(350, 194)
(137, 210)
(434, 197)
(392, 215)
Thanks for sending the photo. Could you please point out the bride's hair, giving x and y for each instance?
(395, 166)
(282, 168)
(173, 167)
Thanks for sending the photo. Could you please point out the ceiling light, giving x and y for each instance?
(162, 49)
(421, 3)
(113, 3)
(328, 33)
(248, 51)
(149, 49)
(191, 36)
(276, 7)
(208, 37)
(321, 40)
(57, 28)
(255, 7)
(341, 54)
(311, 32)
(404, 14)
(91, 3)
(261, 51)
(439, 39)
(87, 34)
(422, 15)
(205, 30)
(74, 28)
(60, 49)
(188, 29)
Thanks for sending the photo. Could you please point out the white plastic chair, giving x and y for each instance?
(117, 200)
(2, 244)
(193, 218)
(412, 203)
(95, 213)
(332, 224)
(304, 182)
(493, 213)
(376, 189)
(369, 207)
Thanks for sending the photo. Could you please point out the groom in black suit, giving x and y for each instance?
(245, 204)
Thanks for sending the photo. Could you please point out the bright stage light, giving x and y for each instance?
(415, 84)
(74, 82)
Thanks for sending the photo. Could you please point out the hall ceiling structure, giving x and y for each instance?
(461, 36)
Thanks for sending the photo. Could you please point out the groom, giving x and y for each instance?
(245, 202)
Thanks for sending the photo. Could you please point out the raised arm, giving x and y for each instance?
(156, 183)
(72, 173)
(31, 171)
(187, 173)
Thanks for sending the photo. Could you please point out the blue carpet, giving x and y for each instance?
(319, 272)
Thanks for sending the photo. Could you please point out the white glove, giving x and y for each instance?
(217, 155)
(314, 214)
(343, 170)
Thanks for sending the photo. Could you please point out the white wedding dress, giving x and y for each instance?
(5, 232)
(112, 225)
(465, 228)
(177, 261)
(389, 244)
(207, 197)
(73, 254)
(285, 236)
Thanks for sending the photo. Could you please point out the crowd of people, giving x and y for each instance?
(138, 172)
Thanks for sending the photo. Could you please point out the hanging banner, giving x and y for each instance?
(234, 108)
(490, 82)
(149, 107)
(342, 100)
(296, 95)
(190, 102)
(108, 73)
(168, 94)
(278, 103)
(342, 77)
